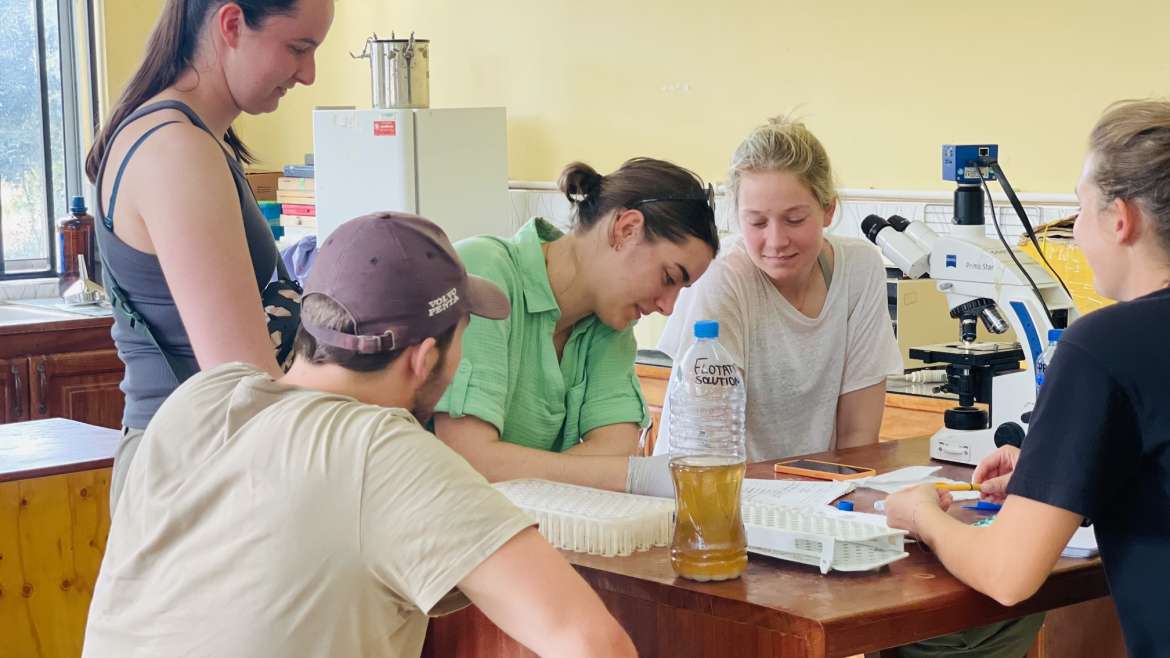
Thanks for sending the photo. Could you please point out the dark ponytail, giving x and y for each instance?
(169, 52)
(673, 201)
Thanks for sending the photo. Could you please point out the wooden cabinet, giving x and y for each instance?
(81, 386)
(54, 519)
(64, 369)
(13, 390)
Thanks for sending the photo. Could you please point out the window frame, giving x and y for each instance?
(73, 73)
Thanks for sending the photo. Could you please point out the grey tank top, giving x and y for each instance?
(148, 379)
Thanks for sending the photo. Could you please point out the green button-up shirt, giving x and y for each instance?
(510, 376)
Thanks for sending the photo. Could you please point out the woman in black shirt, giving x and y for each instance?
(1098, 448)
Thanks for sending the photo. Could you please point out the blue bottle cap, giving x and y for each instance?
(706, 329)
(845, 505)
(1054, 335)
(77, 205)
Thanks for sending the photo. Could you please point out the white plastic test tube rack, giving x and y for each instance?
(592, 520)
(610, 523)
(826, 539)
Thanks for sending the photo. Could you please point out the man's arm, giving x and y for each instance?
(532, 593)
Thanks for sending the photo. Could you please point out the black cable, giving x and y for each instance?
(1012, 252)
(1019, 208)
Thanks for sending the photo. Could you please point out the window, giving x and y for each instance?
(41, 157)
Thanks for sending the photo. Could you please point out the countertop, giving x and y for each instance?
(99, 310)
(36, 315)
(53, 446)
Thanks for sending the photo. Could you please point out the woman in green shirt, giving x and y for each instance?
(551, 391)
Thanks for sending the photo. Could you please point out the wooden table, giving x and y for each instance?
(780, 608)
(54, 518)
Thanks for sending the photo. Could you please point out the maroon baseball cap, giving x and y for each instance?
(400, 280)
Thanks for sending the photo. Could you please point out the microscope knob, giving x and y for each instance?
(965, 418)
(1009, 434)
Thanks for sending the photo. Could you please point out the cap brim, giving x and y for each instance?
(486, 300)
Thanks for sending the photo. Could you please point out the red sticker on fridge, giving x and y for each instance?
(386, 128)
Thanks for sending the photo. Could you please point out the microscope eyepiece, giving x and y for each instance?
(872, 225)
(899, 223)
(906, 254)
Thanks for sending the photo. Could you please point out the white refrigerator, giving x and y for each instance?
(448, 165)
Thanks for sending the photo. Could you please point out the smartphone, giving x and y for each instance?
(811, 468)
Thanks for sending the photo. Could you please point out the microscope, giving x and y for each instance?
(985, 281)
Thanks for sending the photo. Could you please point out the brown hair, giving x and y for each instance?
(169, 51)
(784, 144)
(673, 200)
(1130, 146)
(322, 311)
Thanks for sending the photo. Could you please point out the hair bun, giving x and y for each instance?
(580, 183)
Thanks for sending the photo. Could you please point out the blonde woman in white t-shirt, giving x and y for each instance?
(804, 314)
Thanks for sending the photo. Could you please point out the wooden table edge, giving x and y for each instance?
(57, 469)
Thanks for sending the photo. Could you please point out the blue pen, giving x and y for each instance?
(984, 506)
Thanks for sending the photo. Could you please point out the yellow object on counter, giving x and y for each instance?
(1066, 259)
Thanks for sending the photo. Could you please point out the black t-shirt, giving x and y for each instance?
(1099, 446)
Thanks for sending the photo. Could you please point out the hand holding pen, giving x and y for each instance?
(994, 472)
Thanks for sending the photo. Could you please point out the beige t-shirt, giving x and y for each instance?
(259, 519)
(795, 367)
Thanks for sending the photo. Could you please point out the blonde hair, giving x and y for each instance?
(783, 144)
(1130, 146)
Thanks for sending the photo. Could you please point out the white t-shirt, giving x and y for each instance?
(259, 519)
(795, 367)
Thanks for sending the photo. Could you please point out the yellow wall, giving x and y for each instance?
(123, 26)
(883, 83)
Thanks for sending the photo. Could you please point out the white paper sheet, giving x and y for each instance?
(794, 492)
(910, 476)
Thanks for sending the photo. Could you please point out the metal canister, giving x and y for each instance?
(399, 71)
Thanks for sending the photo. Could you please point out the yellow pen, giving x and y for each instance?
(956, 487)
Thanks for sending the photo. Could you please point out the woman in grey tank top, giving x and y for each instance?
(179, 228)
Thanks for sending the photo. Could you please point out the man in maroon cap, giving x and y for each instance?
(314, 515)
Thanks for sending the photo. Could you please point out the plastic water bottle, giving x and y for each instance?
(707, 460)
(1045, 357)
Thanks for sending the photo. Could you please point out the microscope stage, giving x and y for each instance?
(972, 354)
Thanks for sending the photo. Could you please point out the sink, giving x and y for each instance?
(11, 314)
